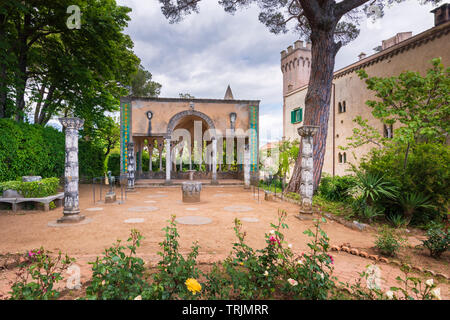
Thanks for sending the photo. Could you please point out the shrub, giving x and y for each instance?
(118, 275)
(438, 241)
(427, 173)
(113, 164)
(397, 220)
(38, 275)
(314, 271)
(336, 188)
(388, 241)
(412, 201)
(173, 268)
(369, 213)
(34, 189)
(411, 288)
(373, 187)
(273, 270)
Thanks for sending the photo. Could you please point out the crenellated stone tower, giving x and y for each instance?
(296, 66)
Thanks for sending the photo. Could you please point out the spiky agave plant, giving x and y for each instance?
(372, 187)
(411, 201)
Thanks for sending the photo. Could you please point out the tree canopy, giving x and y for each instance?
(58, 70)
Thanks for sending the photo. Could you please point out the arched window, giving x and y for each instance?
(340, 157)
(388, 131)
(345, 158)
(342, 107)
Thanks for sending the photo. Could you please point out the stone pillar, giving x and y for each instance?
(190, 156)
(247, 167)
(168, 161)
(160, 149)
(150, 154)
(181, 160)
(191, 191)
(71, 198)
(141, 149)
(214, 162)
(131, 166)
(307, 173)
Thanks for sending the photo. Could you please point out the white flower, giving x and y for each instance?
(321, 275)
(436, 293)
(138, 297)
(290, 245)
(272, 231)
(390, 294)
(300, 261)
(292, 282)
(266, 273)
(429, 282)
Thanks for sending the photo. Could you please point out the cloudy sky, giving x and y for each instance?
(205, 52)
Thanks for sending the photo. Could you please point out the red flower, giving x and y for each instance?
(273, 240)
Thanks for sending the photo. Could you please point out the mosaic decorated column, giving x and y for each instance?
(247, 167)
(214, 161)
(131, 166)
(306, 181)
(71, 198)
(168, 160)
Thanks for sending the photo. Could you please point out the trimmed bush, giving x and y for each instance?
(34, 189)
(113, 164)
(336, 188)
(29, 149)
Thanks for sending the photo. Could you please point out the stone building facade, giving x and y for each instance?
(402, 52)
(188, 128)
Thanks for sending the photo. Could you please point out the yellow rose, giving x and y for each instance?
(193, 286)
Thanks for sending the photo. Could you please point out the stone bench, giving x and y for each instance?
(16, 202)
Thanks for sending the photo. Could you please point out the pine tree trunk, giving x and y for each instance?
(317, 101)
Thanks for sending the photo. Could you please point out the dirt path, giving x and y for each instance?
(28, 230)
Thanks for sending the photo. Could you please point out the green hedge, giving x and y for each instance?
(35, 150)
(34, 189)
(114, 164)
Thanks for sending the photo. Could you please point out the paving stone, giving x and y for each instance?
(94, 209)
(134, 220)
(150, 201)
(155, 196)
(193, 220)
(223, 195)
(142, 209)
(237, 208)
(191, 209)
(249, 219)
